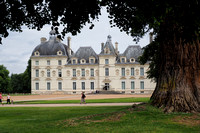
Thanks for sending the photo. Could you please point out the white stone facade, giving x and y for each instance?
(73, 73)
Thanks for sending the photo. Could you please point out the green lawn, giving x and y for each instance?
(114, 100)
(122, 119)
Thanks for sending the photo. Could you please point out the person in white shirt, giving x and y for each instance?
(8, 98)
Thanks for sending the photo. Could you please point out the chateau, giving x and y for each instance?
(56, 69)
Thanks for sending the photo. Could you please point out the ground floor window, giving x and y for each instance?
(132, 85)
(37, 86)
(83, 85)
(48, 86)
(74, 85)
(59, 85)
(92, 85)
(141, 84)
(123, 85)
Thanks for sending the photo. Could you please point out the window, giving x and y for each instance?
(141, 84)
(123, 71)
(59, 85)
(91, 61)
(92, 85)
(132, 60)
(59, 62)
(37, 86)
(48, 86)
(36, 62)
(74, 85)
(59, 73)
(48, 73)
(83, 85)
(74, 61)
(48, 62)
(141, 71)
(74, 72)
(132, 72)
(36, 73)
(106, 71)
(123, 85)
(106, 61)
(83, 72)
(82, 61)
(123, 60)
(132, 85)
(92, 72)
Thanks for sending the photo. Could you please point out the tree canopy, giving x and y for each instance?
(4, 79)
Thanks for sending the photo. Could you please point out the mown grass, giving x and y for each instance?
(120, 119)
(114, 100)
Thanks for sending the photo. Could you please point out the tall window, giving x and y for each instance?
(106, 71)
(74, 72)
(83, 85)
(141, 71)
(123, 85)
(132, 85)
(132, 71)
(83, 72)
(141, 84)
(123, 71)
(37, 86)
(59, 62)
(92, 72)
(48, 86)
(36, 73)
(92, 85)
(59, 73)
(48, 73)
(74, 85)
(36, 62)
(91, 61)
(106, 61)
(59, 85)
(48, 62)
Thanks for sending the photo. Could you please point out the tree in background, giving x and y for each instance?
(175, 52)
(4, 79)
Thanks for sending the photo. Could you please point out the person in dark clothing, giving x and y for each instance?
(83, 98)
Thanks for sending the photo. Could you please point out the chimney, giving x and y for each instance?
(43, 39)
(69, 45)
(116, 47)
(102, 45)
(150, 37)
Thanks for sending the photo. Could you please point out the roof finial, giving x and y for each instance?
(109, 38)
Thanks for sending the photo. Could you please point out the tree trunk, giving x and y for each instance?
(178, 85)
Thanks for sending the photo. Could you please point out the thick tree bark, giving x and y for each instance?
(178, 85)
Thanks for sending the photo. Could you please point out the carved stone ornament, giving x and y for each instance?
(54, 73)
(42, 73)
(78, 73)
(127, 72)
(137, 71)
(117, 72)
(87, 72)
(97, 73)
(68, 73)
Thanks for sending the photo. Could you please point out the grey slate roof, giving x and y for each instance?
(85, 53)
(132, 51)
(51, 47)
(110, 46)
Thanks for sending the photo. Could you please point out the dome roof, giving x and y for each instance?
(50, 47)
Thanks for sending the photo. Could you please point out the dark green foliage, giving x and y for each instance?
(4, 79)
(21, 83)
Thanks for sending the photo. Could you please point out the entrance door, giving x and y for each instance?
(107, 87)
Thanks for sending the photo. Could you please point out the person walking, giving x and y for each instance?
(83, 98)
(8, 98)
(1, 98)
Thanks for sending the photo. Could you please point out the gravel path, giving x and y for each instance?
(68, 105)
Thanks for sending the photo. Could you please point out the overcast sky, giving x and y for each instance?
(17, 47)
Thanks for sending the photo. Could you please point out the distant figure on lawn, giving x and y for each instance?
(1, 98)
(83, 98)
(8, 98)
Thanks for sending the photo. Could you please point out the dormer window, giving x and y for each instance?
(132, 60)
(83, 61)
(107, 50)
(123, 60)
(92, 61)
(37, 53)
(74, 61)
(59, 52)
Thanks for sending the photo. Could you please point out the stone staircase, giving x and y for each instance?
(108, 92)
